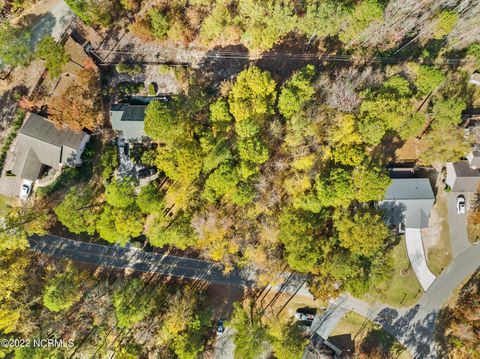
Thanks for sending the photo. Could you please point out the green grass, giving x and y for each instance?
(440, 256)
(4, 203)
(398, 290)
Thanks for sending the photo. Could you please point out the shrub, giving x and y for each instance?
(152, 89)
(128, 69)
(164, 69)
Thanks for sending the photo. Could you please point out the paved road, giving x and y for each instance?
(457, 224)
(414, 326)
(135, 259)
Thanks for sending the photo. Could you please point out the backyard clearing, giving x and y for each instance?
(436, 238)
(403, 288)
(355, 333)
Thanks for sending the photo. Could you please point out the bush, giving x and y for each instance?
(61, 181)
(128, 69)
(152, 89)
(129, 88)
(164, 69)
(446, 21)
(17, 123)
(109, 160)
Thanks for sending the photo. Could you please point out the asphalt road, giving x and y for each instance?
(414, 326)
(136, 260)
(457, 224)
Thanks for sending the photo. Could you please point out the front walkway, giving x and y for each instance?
(416, 254)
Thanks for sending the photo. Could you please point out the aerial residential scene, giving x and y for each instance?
(240, 179)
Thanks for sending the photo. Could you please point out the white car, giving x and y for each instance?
(460, 204)
(26, 189)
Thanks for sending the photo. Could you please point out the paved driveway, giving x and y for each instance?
(416, 254)
(224, 348)
(457, 224)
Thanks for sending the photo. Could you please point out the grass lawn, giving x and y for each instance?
(354, 332)
(400, 290)
(4, 203)
(440, 255)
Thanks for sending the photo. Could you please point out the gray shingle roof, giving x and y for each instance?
(467, 179)
(128, 119)
(40, 142)
(409, 200)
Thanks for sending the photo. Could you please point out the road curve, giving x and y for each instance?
(414, 326)
(136, 260)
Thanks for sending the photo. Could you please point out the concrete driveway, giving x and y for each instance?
(416, 254)
(458, 224)
(224, 346)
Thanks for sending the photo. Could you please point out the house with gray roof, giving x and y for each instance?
(408, 201)
(40, 144)
(462, 177)
(128, 121)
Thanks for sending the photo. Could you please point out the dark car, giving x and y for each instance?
(220, 327)
(146, 172)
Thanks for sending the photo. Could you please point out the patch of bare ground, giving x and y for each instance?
(436, 238)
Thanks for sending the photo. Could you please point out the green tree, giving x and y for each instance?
(447, 112)
(253, 95)
(249, 336)
(62, 291)
(21, 222)
(288, 340)
(216, 24)
(92, 12)
(14, 46)
(132, 303)
(363, 233)
(444, 144)
(181, 163)
(335, 189)
(322, 18)
(220, 116)
(220, 181)
(109, 160)
(428, 79)
(299, 233)
(119, 225)
(445, 22)
(165, 123)
(120, 193)
(77, 211)
(159, 23)
(265, 22)
(370, 182)
(252, 150)
(178, 233)
(360, 18)
(297, 91)
(150, 199)
(54, 55)
(390, 107)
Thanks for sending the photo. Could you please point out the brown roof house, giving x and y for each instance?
(40, 144)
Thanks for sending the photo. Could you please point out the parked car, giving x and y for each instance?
(461, 204)
(220, 327)
(304, 315)
(26, 189)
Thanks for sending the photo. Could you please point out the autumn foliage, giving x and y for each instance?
(80, 107)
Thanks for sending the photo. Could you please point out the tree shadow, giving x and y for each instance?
(38, 26)
(223, 63)
(288, 56)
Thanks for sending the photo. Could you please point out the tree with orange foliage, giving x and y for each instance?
(80, 107)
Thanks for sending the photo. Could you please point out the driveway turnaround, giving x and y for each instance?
(458, 224)
(416, 254)
(414, 326)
